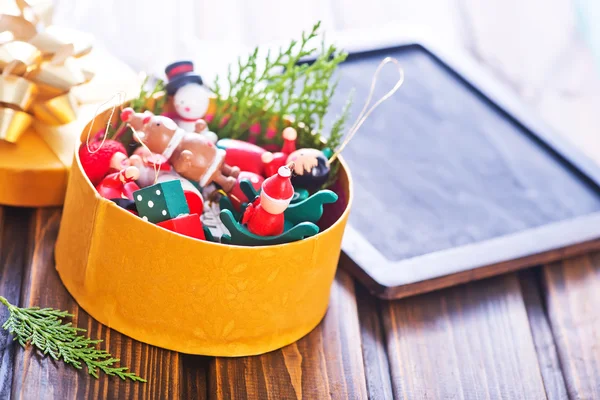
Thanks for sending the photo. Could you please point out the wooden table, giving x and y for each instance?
(533, 335)
(530, 335)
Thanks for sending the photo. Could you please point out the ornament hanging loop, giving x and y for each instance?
(366, 110)
(120, 96)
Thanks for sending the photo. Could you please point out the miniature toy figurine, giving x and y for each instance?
(160, 202)
(191, 155)
(190, 98)
(246, 156)
(119, 185)
(272, 161)
(264, 216)
(102, 159)
(311, 168)
(149, 164)
(135, 120)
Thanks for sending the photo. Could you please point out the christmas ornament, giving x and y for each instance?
(119, 185)
(149, 164)
(264, 216)
(100, 158)
(304, 209)
(246, 156)
(161, 202)
(191, 155)
(193, 197)
(311, 168)
(190, 98)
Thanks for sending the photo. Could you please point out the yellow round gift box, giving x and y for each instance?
(188, 295)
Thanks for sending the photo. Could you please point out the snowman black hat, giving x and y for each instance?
(179, 74)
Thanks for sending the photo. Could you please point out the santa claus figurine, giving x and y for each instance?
(119, 185)
(264, 217)
(190, 98)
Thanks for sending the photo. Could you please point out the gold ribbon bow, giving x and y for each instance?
(39, 68)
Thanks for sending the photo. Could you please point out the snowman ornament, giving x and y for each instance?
(190, 98)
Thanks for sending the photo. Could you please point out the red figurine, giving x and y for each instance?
(102, 158)
(246, 156)
(264, 217)
(119, 185)
(273, 161)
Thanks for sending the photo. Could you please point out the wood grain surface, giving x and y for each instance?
(542, 336)
(531, 335)
(469, 342)
(13, 242)
(572, 298)
(42, 378)
(325, 364)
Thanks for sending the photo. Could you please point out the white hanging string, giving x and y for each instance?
(120, 96)
(364, 113)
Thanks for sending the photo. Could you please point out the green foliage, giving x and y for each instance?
(44, 329)
(147, 92)
(283, 87)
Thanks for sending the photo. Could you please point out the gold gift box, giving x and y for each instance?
(188, 295)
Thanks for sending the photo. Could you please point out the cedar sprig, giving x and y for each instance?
(284, 87)
(44, 329)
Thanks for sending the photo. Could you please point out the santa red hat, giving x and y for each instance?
(279, 186)
(96, 161)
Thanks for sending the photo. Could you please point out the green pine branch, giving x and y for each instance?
(44, 329)
(264, 91)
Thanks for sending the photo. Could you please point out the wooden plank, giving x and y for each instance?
(377, 369)
(542, 335)
(194, 380)
(13, 242)
(471, 341)
(327, 363)
(572, 298)
(38, 377)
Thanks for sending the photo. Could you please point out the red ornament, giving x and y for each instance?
(119, 185)
(187, 225)
(264, 217)
(242, 154)
(102, 158)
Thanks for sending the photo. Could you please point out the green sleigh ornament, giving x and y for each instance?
(300, 219)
